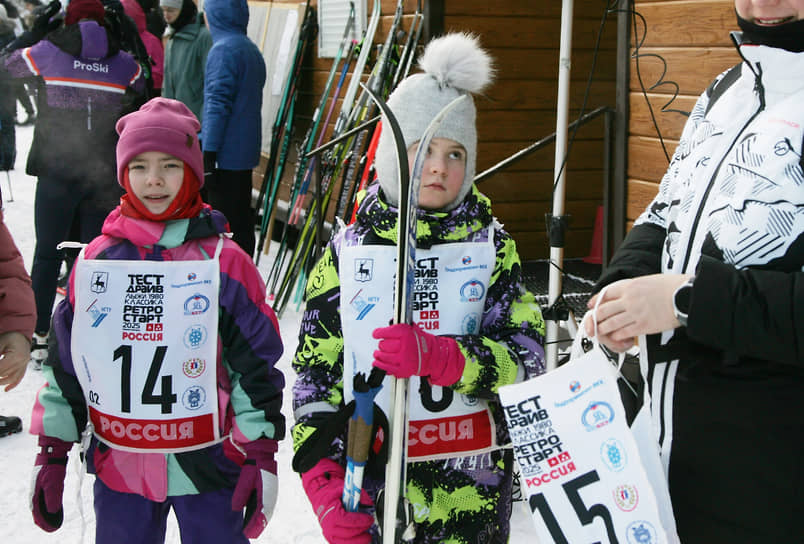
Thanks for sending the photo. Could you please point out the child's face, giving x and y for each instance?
(443, 172)
(155, 179)
(770, 12)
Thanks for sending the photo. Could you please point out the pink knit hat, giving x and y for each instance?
(161, 124)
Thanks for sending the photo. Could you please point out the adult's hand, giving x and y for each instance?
(633, 307)
(16, 352)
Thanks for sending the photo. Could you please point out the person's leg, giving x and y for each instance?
(735, 465)
(448, 515)
(208, 518)
(24, 99)
(128, 518)
(231, 195)
(55, 203)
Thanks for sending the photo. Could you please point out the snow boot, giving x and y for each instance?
(39, 350)
(10, 425)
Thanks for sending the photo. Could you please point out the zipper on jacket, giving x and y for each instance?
(89, 114)
(760, 90)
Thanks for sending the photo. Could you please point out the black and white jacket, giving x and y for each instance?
(730, 210)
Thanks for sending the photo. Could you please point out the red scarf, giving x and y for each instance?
(187, 203)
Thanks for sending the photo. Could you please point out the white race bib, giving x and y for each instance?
(144, 348)
(580, 465)
(449, 296)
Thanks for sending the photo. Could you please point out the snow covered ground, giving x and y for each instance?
(293, 520)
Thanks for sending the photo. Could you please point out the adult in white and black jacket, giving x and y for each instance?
(713, 270)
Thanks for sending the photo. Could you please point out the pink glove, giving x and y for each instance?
(50, 468)
(324, 486)
(257, 486)
(406, 350)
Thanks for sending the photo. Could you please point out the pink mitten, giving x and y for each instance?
(324, 486)
(406, 350)
(50, 468)
(257, 486)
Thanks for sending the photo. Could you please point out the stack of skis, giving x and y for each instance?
(340, 167)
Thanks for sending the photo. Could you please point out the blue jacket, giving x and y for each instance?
(233, 82)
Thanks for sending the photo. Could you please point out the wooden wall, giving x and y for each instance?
(519, 109)
(689, 39)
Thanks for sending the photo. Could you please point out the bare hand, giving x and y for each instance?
(633, 307)
(15, 350)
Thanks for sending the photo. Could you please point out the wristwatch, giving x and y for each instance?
(681, 301)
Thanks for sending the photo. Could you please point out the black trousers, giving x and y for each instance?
(736, 463)
(230, 194)
(60, 201)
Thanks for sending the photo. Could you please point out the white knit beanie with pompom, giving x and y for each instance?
(452, 65)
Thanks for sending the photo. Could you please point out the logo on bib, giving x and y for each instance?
(613, 455)
(641, 532)
(196, 304)
(195, 336)
(99, 282)
(471, 324)
(364, 270)
(626, 497)
(194, 367)
(360, 304)
(596, 415)
(472, 291)
(194, 397)
(97, 313)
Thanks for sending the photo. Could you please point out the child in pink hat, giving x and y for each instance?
(164, 358)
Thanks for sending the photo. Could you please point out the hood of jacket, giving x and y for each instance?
(86, 40)
(469, 217)
(134, 10)
(226, 17)
(165, 234)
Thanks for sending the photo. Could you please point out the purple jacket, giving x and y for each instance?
(89, 83)
(249, 384)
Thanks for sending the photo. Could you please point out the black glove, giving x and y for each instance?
(42, 26)
(44, 22)
(210, 168)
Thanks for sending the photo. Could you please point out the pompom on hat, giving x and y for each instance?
(84, 9)
(452, 65)
(161, 124)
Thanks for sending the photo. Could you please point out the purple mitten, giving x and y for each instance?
(257, 486)
(406, 350)
(324, 486)
(50, 468)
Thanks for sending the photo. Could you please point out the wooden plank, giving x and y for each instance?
(670, 121)
(646, 160)
(516, 94)
(688, 23)
(524, 64)
(506, 125)
(529, 186)
(583, 9)
(692, 69)
(518, 32)
(584, 155)
(640, 195)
